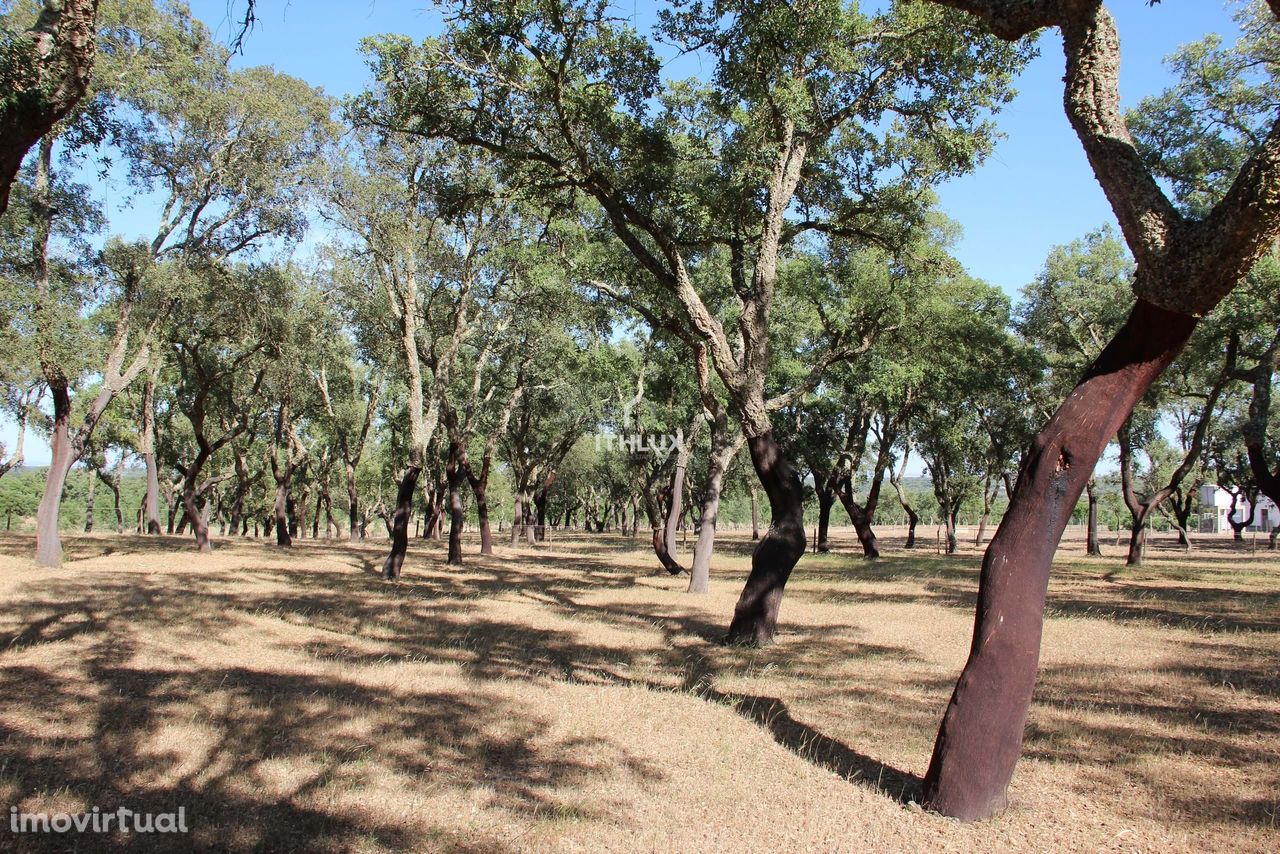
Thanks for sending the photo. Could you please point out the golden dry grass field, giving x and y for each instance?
(565, 698)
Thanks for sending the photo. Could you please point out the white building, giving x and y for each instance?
(1215, 505)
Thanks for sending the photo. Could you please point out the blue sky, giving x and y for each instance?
(1035, 192)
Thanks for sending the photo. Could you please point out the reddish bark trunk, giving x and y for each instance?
(400, 524)
(981, 735)
(755, 618)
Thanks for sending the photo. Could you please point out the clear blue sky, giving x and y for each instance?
(1035, 192)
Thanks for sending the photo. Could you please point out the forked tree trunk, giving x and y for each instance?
(1182, 515)
(657, 528)
(281, 511)
(861, 520)
(755, 618)
(62, 458)
(1093, 547)
(981, 735)
(895, 480)
(1137, 539)
(199, 527)
(399, 527)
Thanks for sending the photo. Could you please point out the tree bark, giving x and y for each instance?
(400, 520)
(455, 474)
(90, 494)
(722, 454)
(1137, 540)
(826, 500)
(677, 487)
(62, 458)
(147, 442)
(860, 518)
(517, 514)
(755, 515)
(63, 44)
(1093, 547)
(981, 735)
(280, 510)
(480, 489)
(755, 618)
(199, 527)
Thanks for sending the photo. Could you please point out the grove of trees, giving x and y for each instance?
(527, 281)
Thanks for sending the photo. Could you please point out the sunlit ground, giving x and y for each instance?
(565, 697)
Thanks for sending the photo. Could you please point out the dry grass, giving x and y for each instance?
(565, 698)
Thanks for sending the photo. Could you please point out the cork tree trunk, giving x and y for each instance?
(399, 527)
(755, 617)
(981, 735)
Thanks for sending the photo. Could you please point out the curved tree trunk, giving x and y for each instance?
(981, 735)
(399, 526)
(895, 480)
(63, 457)
(755, 618)
(671, 524)
(657, 529)
(861, 520)
(199, 527)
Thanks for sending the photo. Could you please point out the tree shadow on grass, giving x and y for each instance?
(269, 760)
